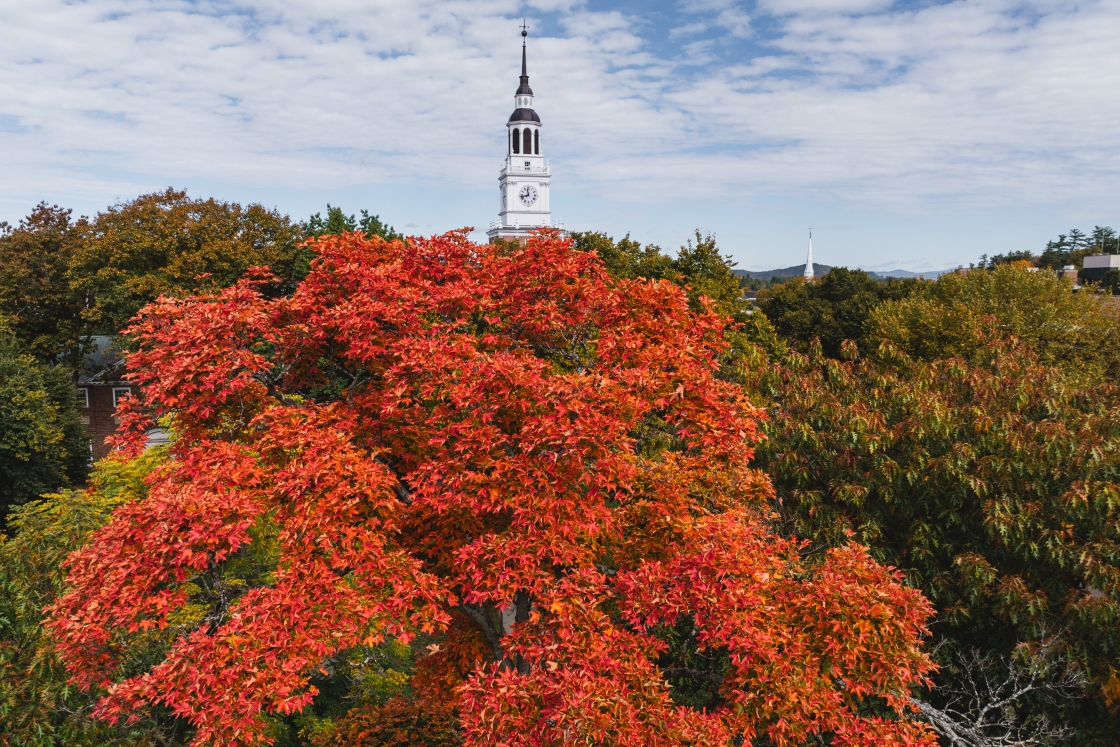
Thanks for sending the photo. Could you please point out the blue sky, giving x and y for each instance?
(916, 135)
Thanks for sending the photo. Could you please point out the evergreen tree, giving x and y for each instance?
(338, 222)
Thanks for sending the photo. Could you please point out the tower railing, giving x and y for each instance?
(514, 166)
(558, 224)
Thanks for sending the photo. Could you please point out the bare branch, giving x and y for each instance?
(986, 707)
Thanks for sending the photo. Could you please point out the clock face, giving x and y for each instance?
(528, 194)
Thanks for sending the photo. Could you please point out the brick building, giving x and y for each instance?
(100, 390)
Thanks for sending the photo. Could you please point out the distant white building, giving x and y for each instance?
(809, 259)
(1096, 266)
(524, 181)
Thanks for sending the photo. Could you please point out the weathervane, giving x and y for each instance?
(524, 27)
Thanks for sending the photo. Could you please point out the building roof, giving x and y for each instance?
(523, 89)
(524, 115)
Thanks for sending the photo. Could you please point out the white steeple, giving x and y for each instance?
(525, 178)
(809, 259)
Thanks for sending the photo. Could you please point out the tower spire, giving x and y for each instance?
(809, 258)
(523, 89)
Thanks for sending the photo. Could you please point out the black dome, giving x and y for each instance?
(524, 115)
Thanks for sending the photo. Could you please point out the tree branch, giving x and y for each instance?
(481, 617)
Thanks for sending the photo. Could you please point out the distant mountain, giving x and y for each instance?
(927, 274)
(819, 269)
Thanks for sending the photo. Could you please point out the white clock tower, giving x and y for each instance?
(525, 176)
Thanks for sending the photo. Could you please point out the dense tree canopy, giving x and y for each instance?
(43, 310)
(338, 222)
(996, 486)
(960, 314)
(973, 444)
(62, 280)
(38, 707)
(535, 467)
(43, 444)
(699, 267)
(832, 309)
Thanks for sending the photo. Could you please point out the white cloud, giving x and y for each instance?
(975, 102)
(794, 7)
(688, 29)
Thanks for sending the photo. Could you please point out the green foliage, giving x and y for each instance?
(833, 309)
(699, 267)
(167, 243)
(626, 258)
(1072, 247)
(994, 486)
(37, 706)
(1006, 259)
(747, 282)
(960, 314)
(62, 280)
(44, 311)
(338, 222)
(43, 444)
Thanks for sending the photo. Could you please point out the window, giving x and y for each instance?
(83, 398)
(120, 393)
(516, 140)
(526, 165)
(537, 142)
(528, 141)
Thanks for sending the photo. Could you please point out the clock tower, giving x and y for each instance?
(524, 179)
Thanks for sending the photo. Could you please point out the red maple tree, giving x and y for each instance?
(500, 447)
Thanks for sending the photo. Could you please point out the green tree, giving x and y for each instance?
(43, 444)
(1077, 239)
(45, 313)
(995, 486)
(166, 243)
(38, 708)
(63, 280)
(1010, 257)
(833, 309)
(1072, 247)
(706, 273)
(626, 258)
(1056, 255)
(338, 222)
(1104, 239)
(698, 267)
(958, 314)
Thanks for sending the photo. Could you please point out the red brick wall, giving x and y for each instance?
(98, 417)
